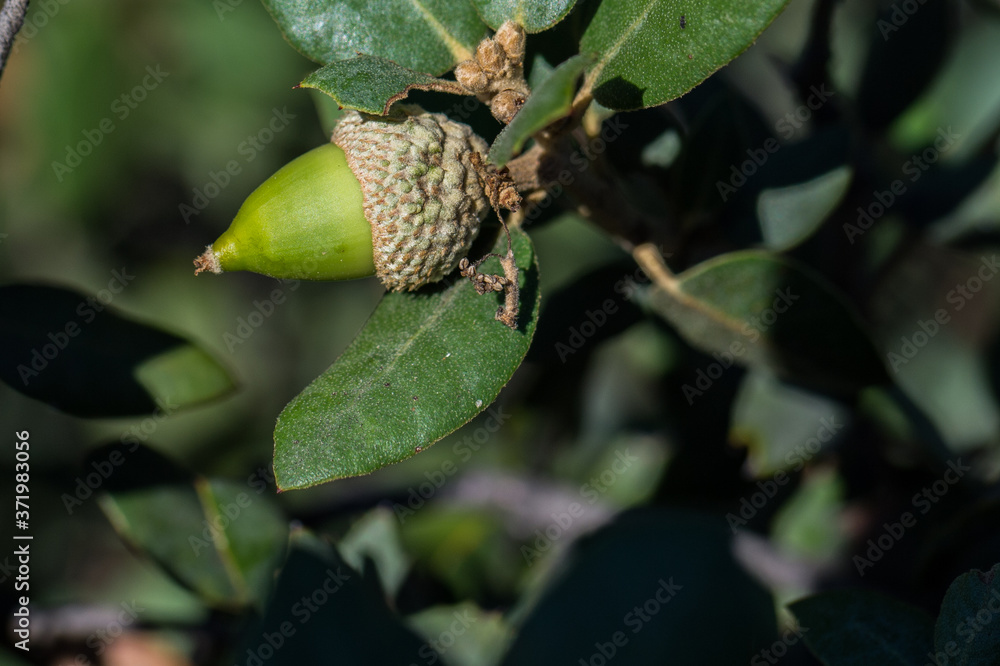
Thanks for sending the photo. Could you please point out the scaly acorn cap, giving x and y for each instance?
(422, 195)
(395, 196)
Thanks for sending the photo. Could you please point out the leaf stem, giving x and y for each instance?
(511, 307)
(648, 256)
(437, 85)
(598, 195)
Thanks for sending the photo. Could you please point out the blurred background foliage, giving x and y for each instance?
(461, 528)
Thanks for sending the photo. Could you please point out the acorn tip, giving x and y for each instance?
(207, 261)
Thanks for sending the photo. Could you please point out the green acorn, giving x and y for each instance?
(394, 196)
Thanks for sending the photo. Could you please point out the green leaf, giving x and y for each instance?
(372, 84)
(713, 149)
(960, 631)
(808, 524)
(532, 15)
(858, 628)
(540, 70)
(423, 365)
(920, 50)
(789, 215)
(184, 375)
(774, 419)
(219, 538)
(945, 381)
(663, 150)
(375, 536)
(664, 582)
(73, 352)
(762, 310)
(486, 636)
(652, 51)
(426, 35)
(467, 548)
(325, 612)
(548, 103)
(963, 96)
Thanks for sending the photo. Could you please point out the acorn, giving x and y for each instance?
(395, 196)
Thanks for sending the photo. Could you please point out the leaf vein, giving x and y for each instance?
(220, 540)
(442, 307)
(618, 44)
(457, 49)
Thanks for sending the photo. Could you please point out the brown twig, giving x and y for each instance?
(512, 297)
(524, 169)
(497, 184)
(651, 261)
(486, 283)
(438, 85)
(502, 193)
(595, 191)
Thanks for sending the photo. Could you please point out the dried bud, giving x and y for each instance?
(505, 105)
(491, 57)
(511, 38)
(471, 76)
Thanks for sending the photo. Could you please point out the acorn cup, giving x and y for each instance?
(397, 196)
